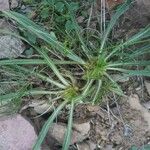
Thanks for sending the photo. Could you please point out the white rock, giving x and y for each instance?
(16, 133)
(4, 5)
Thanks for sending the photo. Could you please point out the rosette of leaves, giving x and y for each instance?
(77, 76)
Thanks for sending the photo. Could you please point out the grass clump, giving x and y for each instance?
(95, 69)
(74, 71)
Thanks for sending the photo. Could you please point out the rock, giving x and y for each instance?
(146, 105)
(147, 85)
(120, 78)
(5, 25)
(26, 9)
(14, 4)
(88, 145)
(45, 147)
(109, 147)
(135, 104)
(80, 19)
(144, 5)
(79, 133)
(4, 5)
(82, 128)
(10, 46)
(16, 133)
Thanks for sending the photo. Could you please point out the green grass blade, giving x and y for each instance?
(77, 30)
(59, 46)
(41, 76)
(144, 33)
(22, 62)
(47, 125)
(140, 51)
(34, 62)
(33, 92)
(42, 34)
(137, 37)
(41, 92)
(97, 91)
(7, 96)
(135, 52)
(52, 66)
(133, 72)
(117, 88)
(68, 133)
(120, 11)
(136, 63)
(12, 104)
(88, 86)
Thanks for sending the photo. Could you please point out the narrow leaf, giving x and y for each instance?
(137, 37)
(47, 125)
(68, 133)
(132, 72)
(52, 66)
(97, 91)
(41, 33)
(121, 10)
(136, 63)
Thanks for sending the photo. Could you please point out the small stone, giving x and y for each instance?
(10, 46)
(41, 106)
(146, 105)
(80, 19)
(147, 85)
(83, 146)
(4, 5)
(120, 78)
(23, 7)
(108, 147)
(83, 128)
(87, 145)
(14, 4)
(79, 133)
(16, 133)
(5, 25)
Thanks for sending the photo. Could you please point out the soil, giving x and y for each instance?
(117, 125)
